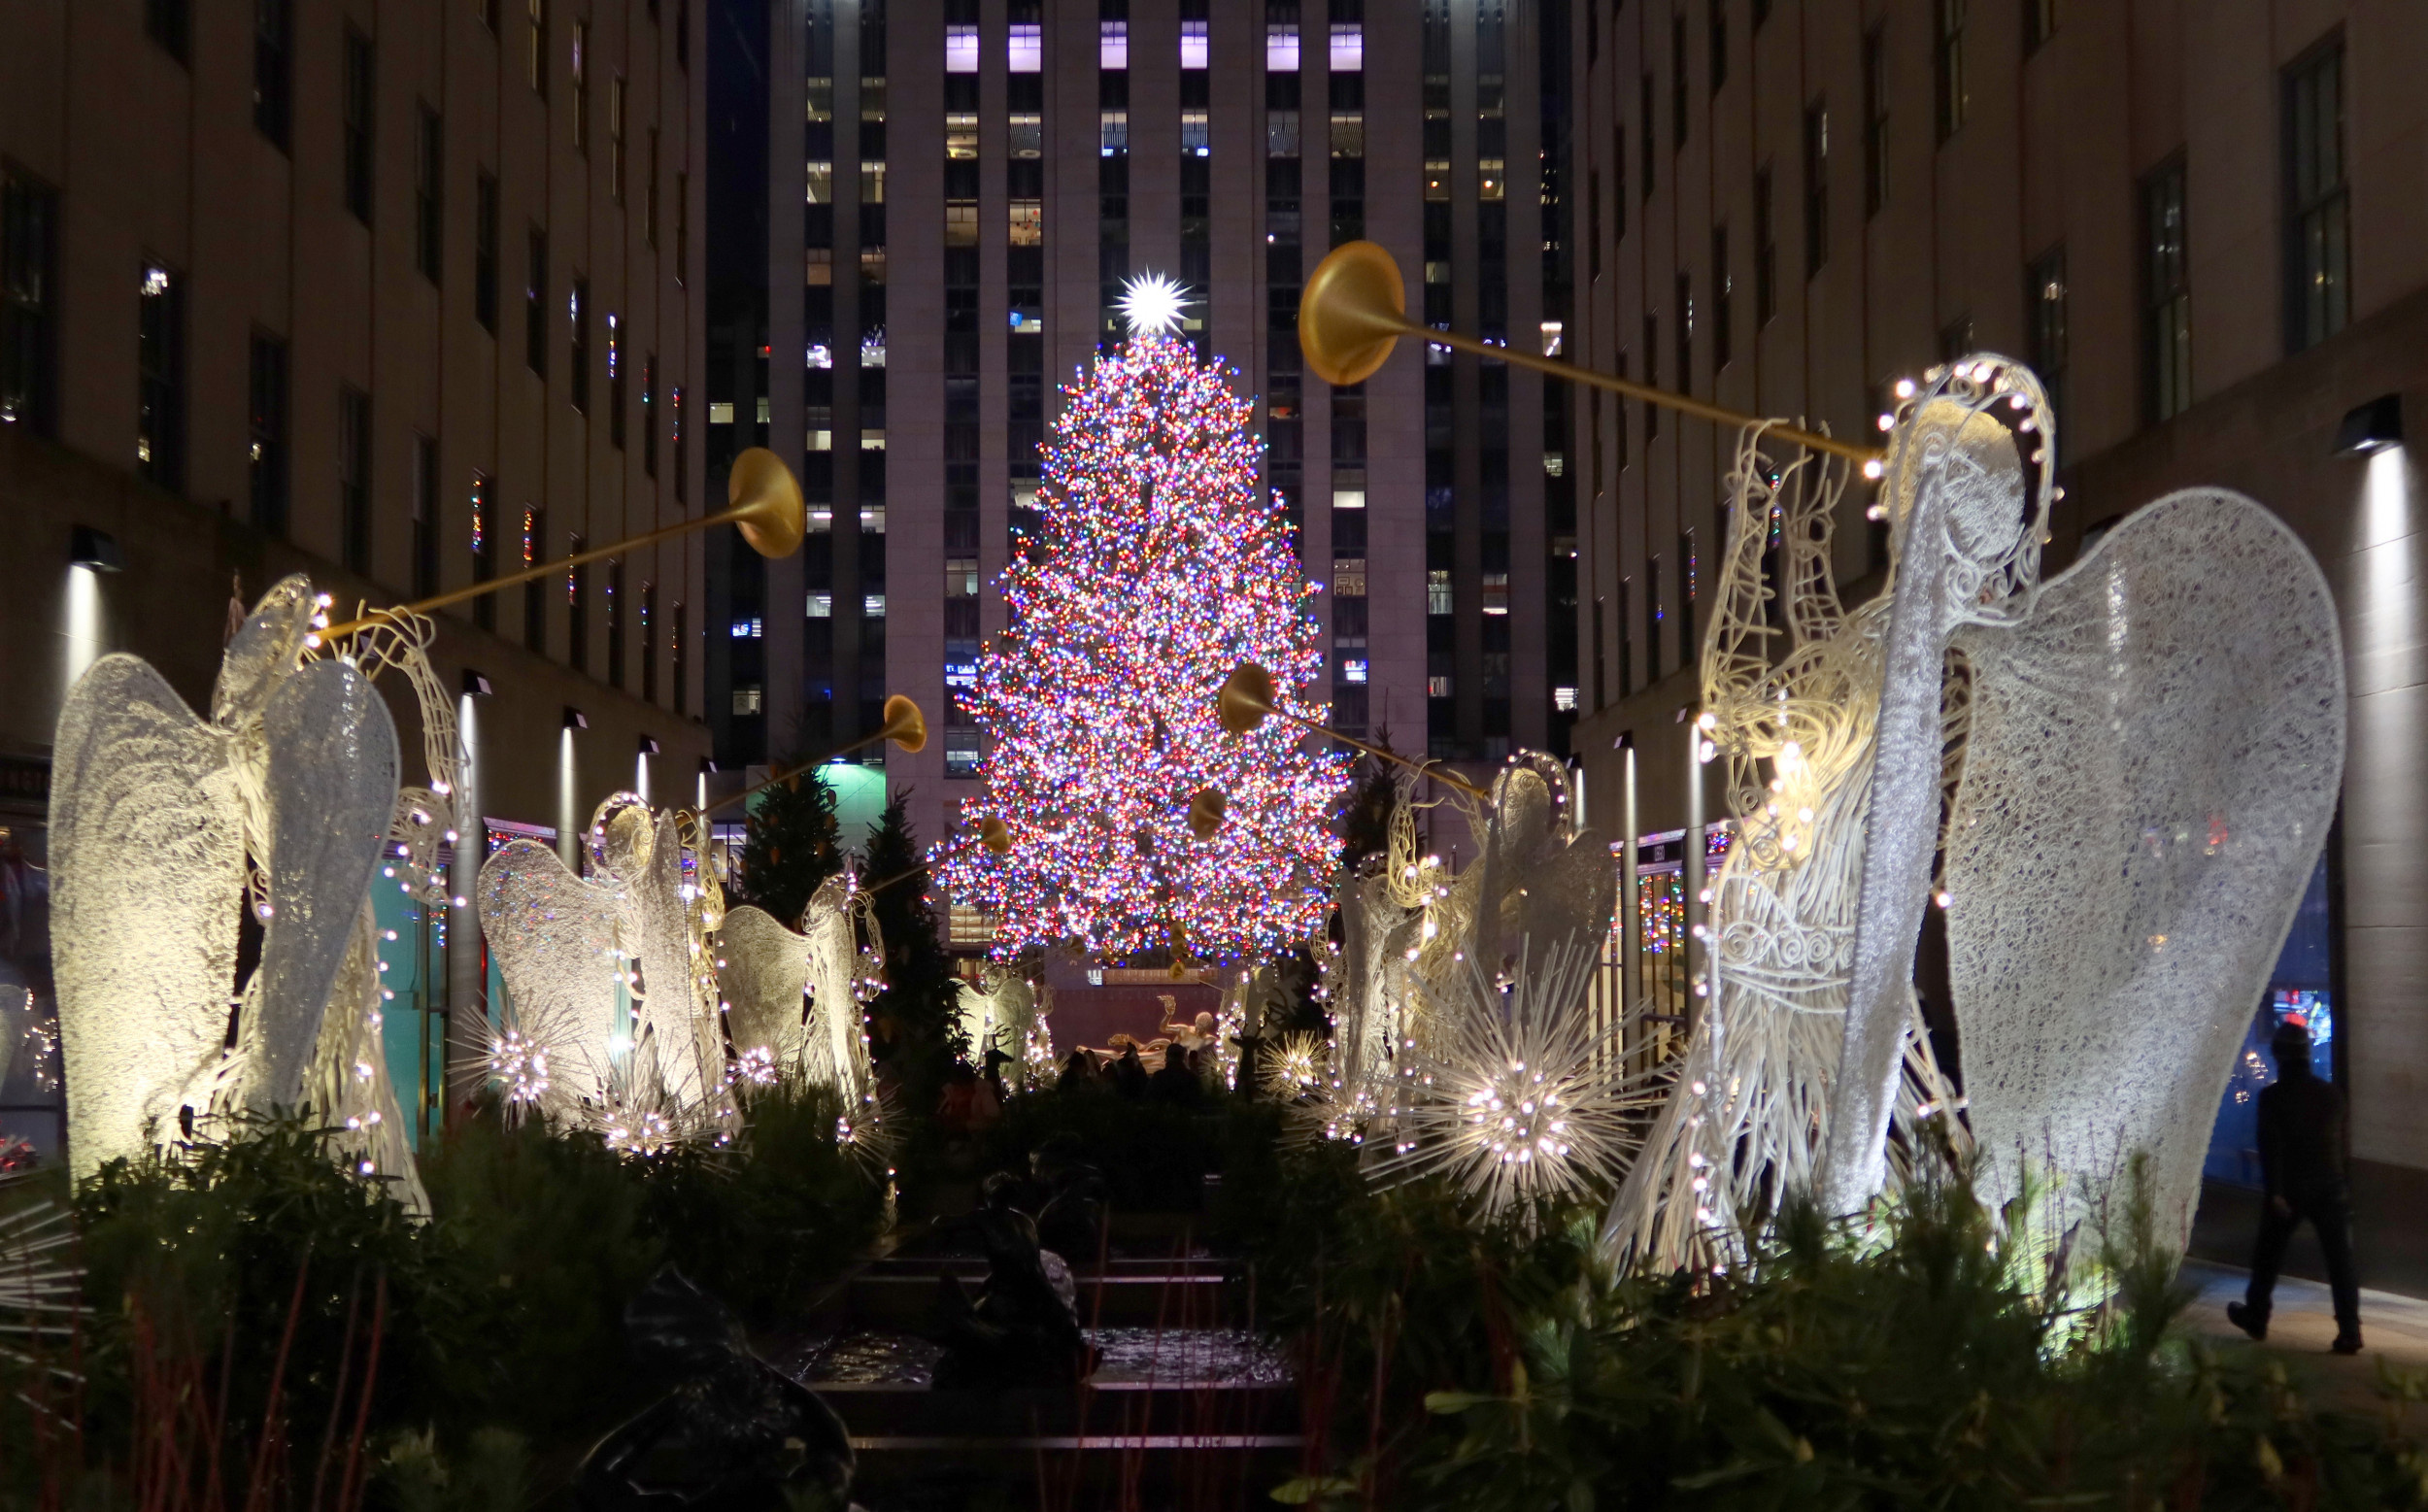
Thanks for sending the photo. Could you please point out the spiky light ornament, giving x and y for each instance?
(1294, 1066)
(1514, 1096)
(1159, 568)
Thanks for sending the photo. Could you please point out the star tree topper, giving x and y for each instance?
(1159, 566)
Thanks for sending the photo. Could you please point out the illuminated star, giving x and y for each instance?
(1152, 304)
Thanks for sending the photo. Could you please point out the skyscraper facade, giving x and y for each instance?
(978, 181)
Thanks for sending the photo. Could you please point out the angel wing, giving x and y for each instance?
(330, 784)
(147, 855)
(838, 1047)
(689, 1041)
(765, 975)
(2154, 762)
(554, 939)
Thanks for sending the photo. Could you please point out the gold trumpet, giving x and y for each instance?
(905, 726)
(993, 835)
(763, 499)
(1247, 698)
(1355, 309)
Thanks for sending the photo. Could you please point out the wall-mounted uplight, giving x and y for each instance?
(649, 745)
(2372, 427)
(575, 718)
(475, 685)
(97, 549)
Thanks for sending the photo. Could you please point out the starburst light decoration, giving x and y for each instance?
(1157, 569)
(1151, 304)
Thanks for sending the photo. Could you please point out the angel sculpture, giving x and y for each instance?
(1502, 1084)
(573, 948)
(2136, 763)
(164, 826)
(1000, 1012)
(843, 979)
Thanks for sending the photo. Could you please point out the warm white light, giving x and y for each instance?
(82, 627)
(1151, 303)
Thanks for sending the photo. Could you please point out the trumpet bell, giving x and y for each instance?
(1247, 696)
(994, 834)
(1206, 811)
(772, 517)
(904, 724)
(1353, 311)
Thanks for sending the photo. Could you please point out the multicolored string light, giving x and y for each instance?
(1158, 568)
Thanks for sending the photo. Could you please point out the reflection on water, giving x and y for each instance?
(1162, 1357)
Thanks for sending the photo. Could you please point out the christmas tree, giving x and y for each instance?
(1158, 567)
(916, 1018)
(789, 849)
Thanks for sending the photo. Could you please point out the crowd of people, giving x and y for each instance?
(1174, 1068)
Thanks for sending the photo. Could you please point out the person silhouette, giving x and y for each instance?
(2300, 1163)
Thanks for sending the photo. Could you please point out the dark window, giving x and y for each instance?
(649, 415)
(1948, 57)
(1652, 619)
(1618, 415)
(1677, 81)
(1874, 119)
(160, 378)
(615, 622)
(1652, 375)
(2040, 23)
(1687, 650)
(484, 252)
(353, 478)
(1762, 12)
(578, 607)
(1593, 224)
(266, 461)
(485, 528)
(1816, 187)
(682, 227)
(674, 424)
(170, 24)
(649, 641)
(614, 381)
(2044, 285)
(489, 14)
(2318, 202)
(425, 516)
(535, 53)
(681, 651)
(1956, 340)
(272, 33)
(429, 193)
(1766, 250)
(2167, 296)
(579, 313)
(1618, 184)
(581, 60)
(358, 116)
(1685, 328)
(535, 591)
(616, 107)
(29, 304)
(1723, 288)
(683, 34)
(1719, 44)
(1643, 135)
(649, 195)
(1626, 638)
(536, 303)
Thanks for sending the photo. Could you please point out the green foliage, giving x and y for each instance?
(790, 846)
(1455, 1363)
(1366, 813)
(918, 1015)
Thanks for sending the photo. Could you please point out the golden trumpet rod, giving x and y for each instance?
(543, 569)
(929, 865)
(1420, 768)
(1685, 404)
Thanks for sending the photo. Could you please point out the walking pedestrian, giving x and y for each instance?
(2300, 1163)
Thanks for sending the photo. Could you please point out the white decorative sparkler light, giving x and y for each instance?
(1152, 304)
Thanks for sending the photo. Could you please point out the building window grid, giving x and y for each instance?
(1816, 187)
(160, 378)
(2167, 315)
(1948, 57)
(266, 420)
(1876, 120)
(535, 591)
(617, 105)
(29, 214)
(359, 112)
(430, 192)
(535, 47)
(579, 68)
(578, 323)
(536, 303)
(484, 549)
(2318, 204)
(1766, 250)
(1723, 301)
(425, 524)
(484, 252)
(273, 46)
